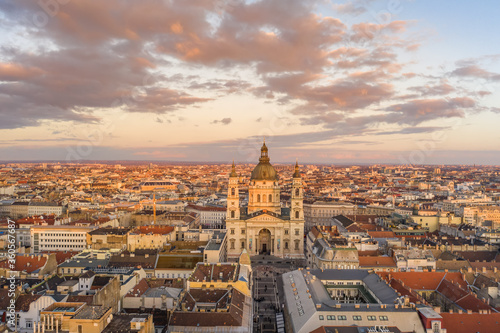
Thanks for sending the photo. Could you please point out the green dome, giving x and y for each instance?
(264, 170)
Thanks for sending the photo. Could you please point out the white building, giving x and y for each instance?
(44, 208)
(28, 309)
(415, 259)
(209, 215)
(59, 238)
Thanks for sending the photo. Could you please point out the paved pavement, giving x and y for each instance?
(268, 289)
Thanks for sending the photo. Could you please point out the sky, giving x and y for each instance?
(335, 82)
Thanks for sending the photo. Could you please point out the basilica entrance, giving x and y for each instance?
(265, 241)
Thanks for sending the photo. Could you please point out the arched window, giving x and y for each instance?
(258, 197)
(277, 197)
(296, 214)
(233, 191)
(232, 214)
(297, 191)
(270, 198)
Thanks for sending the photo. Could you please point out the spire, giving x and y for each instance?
(296, 174)
(233, 171)
(264, 153)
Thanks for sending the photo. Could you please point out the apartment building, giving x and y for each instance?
(321, 212)
(60, 238)
(211, 216)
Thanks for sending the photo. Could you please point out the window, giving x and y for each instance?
(233, 192)
(321, 317)
(286, 231)
(330, 317)
(242, 231)
(384, 318)
(296, 232)
(232, 231)
(258, 197)
(341, 317)
(232, 245)
(296, 214)
(270, 198)
(372, 318)
(356, 317)
(232, 214)
(297, 242)
(286, 245)
(242, 245)
(80, 329)
(297, 192)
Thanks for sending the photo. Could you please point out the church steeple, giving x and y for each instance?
(296, 174)
(233, 171)
(233, 196)
(297, 208)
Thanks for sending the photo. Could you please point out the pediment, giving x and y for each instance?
(264, 217)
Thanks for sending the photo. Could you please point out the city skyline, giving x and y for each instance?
(363, 81)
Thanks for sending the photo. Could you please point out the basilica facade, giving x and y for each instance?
(264, 226)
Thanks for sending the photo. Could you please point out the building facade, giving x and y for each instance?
(210, 216)
(59, 238)
(264, 227)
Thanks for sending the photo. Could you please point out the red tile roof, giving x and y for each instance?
(139, 289)
(424, 280)
(366, 261)
(381, 234)
(471, 323)
(157, 229)
(405, 291)
(23, 302)
(27, 262)
(61, 256)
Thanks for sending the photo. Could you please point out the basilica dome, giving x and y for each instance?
(264, 170)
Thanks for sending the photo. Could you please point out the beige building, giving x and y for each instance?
(150, 237)
(433, 223)
(479, 214)
(264, 226)
(321, 212)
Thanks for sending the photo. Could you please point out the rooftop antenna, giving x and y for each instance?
(154, 207)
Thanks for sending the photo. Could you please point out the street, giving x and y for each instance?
(268, 289)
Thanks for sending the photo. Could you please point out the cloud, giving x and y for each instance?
(354, 8)
(417, 111)
(158, 57)
(414, 130)
(475, 71)
(443, 88)
(223, 121)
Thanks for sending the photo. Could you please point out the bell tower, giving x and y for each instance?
(296, 204)
(233, 196)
